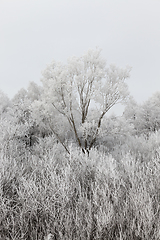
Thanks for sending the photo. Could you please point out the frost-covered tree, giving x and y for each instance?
(151, 113)
(145, 117)
(26, 128)
(132, 114)
(114, 132)
(82, 92)
(5, 118)
(4, 104)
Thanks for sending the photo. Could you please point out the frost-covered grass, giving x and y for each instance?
(79, 197)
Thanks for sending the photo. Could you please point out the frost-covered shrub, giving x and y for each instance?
(79, 197)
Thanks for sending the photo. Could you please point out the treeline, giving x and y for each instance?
(24, 123)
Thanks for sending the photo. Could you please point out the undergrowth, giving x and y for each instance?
(79, 197)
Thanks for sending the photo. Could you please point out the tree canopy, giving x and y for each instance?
(82, 92)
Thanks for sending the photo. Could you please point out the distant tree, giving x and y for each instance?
(150, 114)
(115, 131)
(5, 118)
(132, 114)
(26, 128)
(5, 104)
(144, 117)
(82, 92)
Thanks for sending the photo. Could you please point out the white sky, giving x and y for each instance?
(34, 32)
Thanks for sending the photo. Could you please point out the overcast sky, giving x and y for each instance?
(34, 32)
